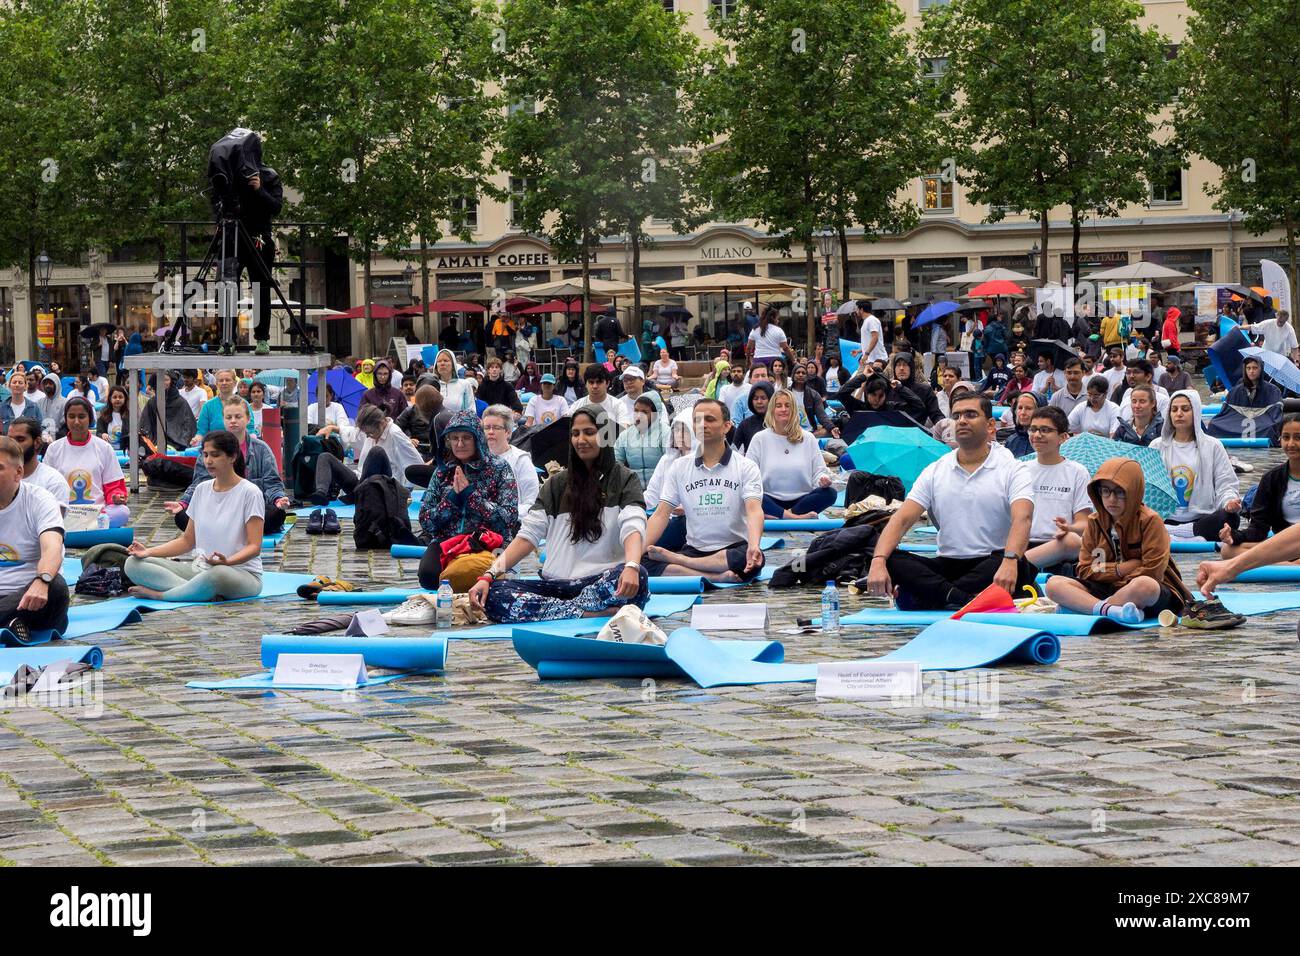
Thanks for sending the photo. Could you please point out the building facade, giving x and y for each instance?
(1178, 227)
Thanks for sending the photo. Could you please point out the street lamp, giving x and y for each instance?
(826, 246)
(1033, 259)
(409, 272)
(44, 267)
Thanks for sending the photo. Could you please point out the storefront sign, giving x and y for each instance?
(1093, 261)
(502, 260)
(449, 285)
(513, 280)
(727, 252)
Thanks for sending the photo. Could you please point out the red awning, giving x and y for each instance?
(359, 312)
(443, 305)
(556, 305)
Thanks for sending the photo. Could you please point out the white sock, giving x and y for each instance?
(1125, 614)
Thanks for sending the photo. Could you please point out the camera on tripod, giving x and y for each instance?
(232, 161)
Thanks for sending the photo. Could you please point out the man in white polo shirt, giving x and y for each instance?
(33, 594)
(982, 501)
(721, 493)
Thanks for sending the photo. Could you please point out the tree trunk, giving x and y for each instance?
(844, 264)
(368, 337)
(424, 288)
(1076, 226)
(33, 303)
(810, 264)
(586, 296)
(1042, 243)
(634, 234)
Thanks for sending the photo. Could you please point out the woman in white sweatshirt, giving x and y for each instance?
(796, 483)
(457, 393)
(1205, 484)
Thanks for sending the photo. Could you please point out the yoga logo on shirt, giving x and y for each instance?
(80, 484)
(1184, 481)
(9, 558)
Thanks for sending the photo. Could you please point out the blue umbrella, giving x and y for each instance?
(1278, 367)
(1091, 450)
(901, 452)
(934, 312)
(347, 390)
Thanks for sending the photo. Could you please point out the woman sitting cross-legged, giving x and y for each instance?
(224, 531)
(796, 483)
(470, 509)
(592, 518)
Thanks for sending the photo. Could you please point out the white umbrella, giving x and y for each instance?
(989, 275)
(1138, 272)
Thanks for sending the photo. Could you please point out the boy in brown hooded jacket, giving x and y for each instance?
(1125, 571)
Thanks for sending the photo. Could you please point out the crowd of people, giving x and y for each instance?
(661, 476)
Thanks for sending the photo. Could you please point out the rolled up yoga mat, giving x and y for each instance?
(1062, 624)
(659, 605)
(809, 524)
(417, 550)
(556, 657)
(1270, 574)
(12, 658)
(1244, 442)
(88, 539)
(9, 639)
(957, 645)
(1193, 547)
(391, 653)
(689, 584)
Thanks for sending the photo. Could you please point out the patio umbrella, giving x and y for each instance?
(443, 305)
(900, 452)
(934, 312)
(573, 306)
(1091, 450)
(997, 287)
(1138, 272)
(990, 275)
(377, 311)
(1277, 367)
(347, 390)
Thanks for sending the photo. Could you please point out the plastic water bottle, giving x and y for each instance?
(830, 609)
(444, 604)
(102, 521)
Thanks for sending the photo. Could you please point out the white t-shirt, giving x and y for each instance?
(769, 345)
(664, 374)
(543, 411)
(1277, 338)
(46, 477)
(614, 408)
(1183, 461)
(521, 463)
(871, 325)
(972, 511)
(713, 498)
(334, 415)
(1291, 501)
(789, 470)
(1112, 375)
(1056, 376)
(33, 511)
(1101, 422)
(1060, 491)
(728, 393)
(219, 518)
(194, 398)
(86, 468)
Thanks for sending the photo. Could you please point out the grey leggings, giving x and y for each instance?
(180, 582)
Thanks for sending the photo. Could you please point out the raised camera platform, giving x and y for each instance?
(163, 361)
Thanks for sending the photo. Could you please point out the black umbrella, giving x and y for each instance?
(977, 306)
(1058, 350)
(92, 331)
(1246, 293)
(545, 443)
(885, 304)
(860, 421)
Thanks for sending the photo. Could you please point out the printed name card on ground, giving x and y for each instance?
(869, 680)
(729, 617)
(368, 623)
(343, 671)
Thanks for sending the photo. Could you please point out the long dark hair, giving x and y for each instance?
(766, 319)
(584, 500)
(226, 443)
(105, 418)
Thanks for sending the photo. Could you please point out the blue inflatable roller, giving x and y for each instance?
(88, 539)
(808, 524)
(1193, 547)
(1244, 442)
(407, 550)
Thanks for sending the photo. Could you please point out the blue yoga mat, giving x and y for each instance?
(1063, 624)
(556, 657)
(1253, 603)
(9, 639)
(417, 550)
(12, 658)
(958, 645)
(1271, 574)
(88, 539)
(102, 616)
(711, 666)
(1244, 442)
(411, 655)
(659, 605)
(272, 541)
(810, 524)
(350, 511)
(919, 548)
(71, 570)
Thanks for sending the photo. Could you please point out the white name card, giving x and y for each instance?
(368, 623)
(868, 680)
(729, 617)
(319, 670)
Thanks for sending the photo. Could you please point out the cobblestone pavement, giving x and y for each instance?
(1154, 747)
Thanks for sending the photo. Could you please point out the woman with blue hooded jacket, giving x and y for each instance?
(471, 507)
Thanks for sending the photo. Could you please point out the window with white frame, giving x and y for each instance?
(936, 193)
(1167, 189)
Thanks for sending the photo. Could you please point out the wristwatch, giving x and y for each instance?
(1012, 555)
(46, 577)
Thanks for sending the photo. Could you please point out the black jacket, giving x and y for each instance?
(1266, 508)
(259, 207)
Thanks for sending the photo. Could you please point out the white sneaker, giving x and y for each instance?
(417, 609)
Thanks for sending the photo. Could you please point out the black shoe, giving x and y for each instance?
(331, 522)
(18, 628)
(316, 522)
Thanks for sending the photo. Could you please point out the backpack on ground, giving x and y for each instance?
(175, 471)
(381, 519)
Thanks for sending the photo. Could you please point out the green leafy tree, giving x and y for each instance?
(600, 151)
(376, 114)
(1240, 109)
(1052, 104)
(822, 118)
